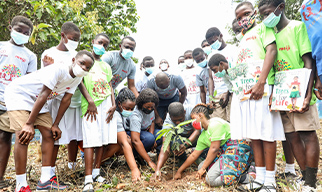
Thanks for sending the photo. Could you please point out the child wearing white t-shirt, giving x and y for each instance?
(16, 60)
(26, 100)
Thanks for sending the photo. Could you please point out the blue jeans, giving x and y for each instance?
(147, 140)
(164, 104)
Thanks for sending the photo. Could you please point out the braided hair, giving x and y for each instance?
(147, 95)
(124, 95)
(202, 108)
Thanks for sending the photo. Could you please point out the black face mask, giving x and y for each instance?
(146, 111)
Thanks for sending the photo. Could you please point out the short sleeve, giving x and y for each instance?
(32, 65)
(108, 58)
(52, 75)
(73, 89)
(133, 71)
(268, 35)
(136, 121)
(217, 131)
(303, 40)
(119, 121)
(178, 81)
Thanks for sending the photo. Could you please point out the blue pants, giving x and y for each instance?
(148, 140)
(164, 104)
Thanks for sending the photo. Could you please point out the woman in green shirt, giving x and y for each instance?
(222, 150)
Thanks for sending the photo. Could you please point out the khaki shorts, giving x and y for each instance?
(308, 121)
(5, 123)
(19, 118)
(223, 113)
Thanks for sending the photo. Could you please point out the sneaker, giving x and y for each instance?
(307, 188)
(51, 184)
(24, 189)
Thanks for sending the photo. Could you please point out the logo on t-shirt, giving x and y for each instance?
(251, 38)
(124, 71)
(52, 95)
(100, 86)
(286, 48)
(22, 59)
(10, 72)
(282, 65)
(116, 79)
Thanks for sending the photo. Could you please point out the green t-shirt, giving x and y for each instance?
(292, 43)
(253, 44)
(97, 84)
(218, 130)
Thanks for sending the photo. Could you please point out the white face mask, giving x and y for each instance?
(78, 71)
(71, 45)
(188, 62)
(163, 66)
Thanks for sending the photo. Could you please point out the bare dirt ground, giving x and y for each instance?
(117, 171)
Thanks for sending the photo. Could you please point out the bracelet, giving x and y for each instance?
(186, 145)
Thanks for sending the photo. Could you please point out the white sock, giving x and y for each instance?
(95, 172)
(260, 177)
(45, 174)
(72, 165)
(270, 177)
(21, 181)
(260, 174)
(289, 168)
(53, 171)
(88, 179)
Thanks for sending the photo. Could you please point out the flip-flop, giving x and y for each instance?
(244, 189)
(268, 188)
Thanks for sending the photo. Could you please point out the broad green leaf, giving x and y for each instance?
(180, 130)
(167, 141)
(215, 93)
(43, 25)
(185, 122)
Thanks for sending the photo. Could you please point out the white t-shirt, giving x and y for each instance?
(141, 82)
(230, 54)
(63, 57)
(22, 93)
(15, 62)
(193, 91)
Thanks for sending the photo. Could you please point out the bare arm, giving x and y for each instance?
(203, 94)
(183, 95)
(91, 109)
(131, 86)
(138, 145)
(192, 158)
(257, 91)
(113, 108)
(308, 63)
(211, 83)
(214, 149)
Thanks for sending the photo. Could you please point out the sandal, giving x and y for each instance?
(245, 189)
(89, 190)
(96, 179)
(267, 188)
(4, 184)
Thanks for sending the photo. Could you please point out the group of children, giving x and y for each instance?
(71, 101)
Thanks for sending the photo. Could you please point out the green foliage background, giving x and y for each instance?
(117, 18)
(292, 12)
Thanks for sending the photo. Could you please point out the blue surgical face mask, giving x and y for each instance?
(149, 70)
(126, 113)
(207, 50)
(272, 20)
(127, 53)
(220, 74)
(203, 63)
(19, 38)
(98, 49)
(216, 45)
(182, 66)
